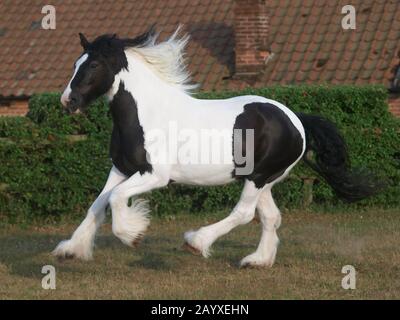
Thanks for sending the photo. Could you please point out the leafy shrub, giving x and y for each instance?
(46, 174)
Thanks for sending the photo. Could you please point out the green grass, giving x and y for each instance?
(313, 250)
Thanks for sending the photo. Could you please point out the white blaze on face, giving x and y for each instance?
(67, 91)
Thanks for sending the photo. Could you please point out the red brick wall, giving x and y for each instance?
(251, 36)
(14, 108)
(394, 105)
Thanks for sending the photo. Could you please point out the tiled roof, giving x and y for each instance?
(311, 46)
(306, 38)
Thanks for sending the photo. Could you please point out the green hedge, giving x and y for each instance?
(47, 171)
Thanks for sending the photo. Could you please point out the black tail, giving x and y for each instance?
(331, 160)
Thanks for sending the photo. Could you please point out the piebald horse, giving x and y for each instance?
(149, 91)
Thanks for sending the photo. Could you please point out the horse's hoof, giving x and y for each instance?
(255, 265)
(186, 246)
(249, 265)
(256, 220)
(66, 256)
(137, 241)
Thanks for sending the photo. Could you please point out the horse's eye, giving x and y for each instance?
(94, 65)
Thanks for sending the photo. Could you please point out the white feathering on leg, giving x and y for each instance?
(130, 223)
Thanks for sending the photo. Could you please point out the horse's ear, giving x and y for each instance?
(84, 42)
(143, 38)
(151, 32)
(113, 37)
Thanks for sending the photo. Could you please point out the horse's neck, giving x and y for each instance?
(153, 105)
(154, 101)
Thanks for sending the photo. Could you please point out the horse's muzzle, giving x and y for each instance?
(71, 108)
(72, 104)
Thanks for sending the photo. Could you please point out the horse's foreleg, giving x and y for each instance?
(129, 223)
(270, 218)
(202, 239)
(82, 241)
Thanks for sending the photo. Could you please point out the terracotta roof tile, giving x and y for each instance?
(305, 36)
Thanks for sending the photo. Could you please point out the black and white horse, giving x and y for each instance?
(158, 138)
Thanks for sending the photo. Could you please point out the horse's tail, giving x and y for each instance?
(329, 158)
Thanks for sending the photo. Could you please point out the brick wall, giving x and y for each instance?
(251, 36)
(394, 104)
(14, 108)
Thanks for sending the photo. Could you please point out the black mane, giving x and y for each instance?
(106, 42)
(112, 48)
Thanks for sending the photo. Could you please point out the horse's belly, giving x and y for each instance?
(203, 174)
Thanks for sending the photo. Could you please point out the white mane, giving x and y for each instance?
(167, 59)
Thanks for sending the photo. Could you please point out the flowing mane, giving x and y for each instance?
(166, 58)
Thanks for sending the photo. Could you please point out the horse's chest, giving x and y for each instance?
(127, 152)
(127, 141)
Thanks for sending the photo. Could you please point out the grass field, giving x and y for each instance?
(313, 250)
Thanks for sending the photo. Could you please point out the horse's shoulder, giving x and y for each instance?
(127, 149)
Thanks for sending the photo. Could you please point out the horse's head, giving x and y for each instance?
(93, 75)
(95, 69)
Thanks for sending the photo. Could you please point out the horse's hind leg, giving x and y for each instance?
(202, 239)
(270, 219)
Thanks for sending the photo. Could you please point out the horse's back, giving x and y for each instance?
(236, 105)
